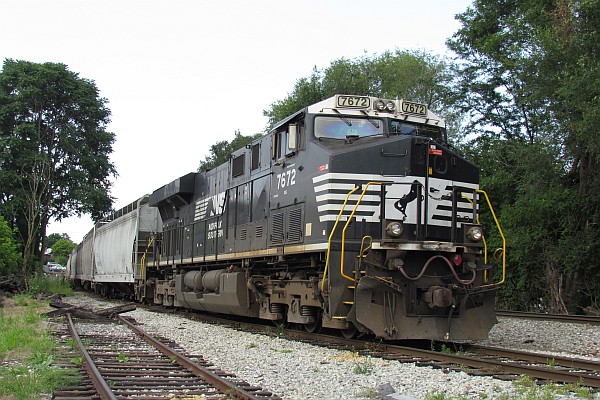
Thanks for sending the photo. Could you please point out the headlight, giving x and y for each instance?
(394, 229)
(390, 106)
(380, 105)
(475, 234)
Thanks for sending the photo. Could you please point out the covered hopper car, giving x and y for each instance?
(109, 257)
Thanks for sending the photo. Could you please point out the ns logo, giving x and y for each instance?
(210, 206)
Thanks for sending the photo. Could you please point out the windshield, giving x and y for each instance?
(347, 127)
(398, 127)
(402, 128)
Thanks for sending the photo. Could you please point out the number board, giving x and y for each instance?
(353, 102)
(414, 108)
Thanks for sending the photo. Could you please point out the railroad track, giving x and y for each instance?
(477, 360)
(499, 363)
(121, 362)
(579, 319)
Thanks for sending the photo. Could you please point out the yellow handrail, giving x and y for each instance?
(362, 243)
(331, 236)
(368, 248)
(503, 240)
(346, 227)
(485, 248)
(143, 260)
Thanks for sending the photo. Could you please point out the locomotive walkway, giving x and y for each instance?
(121, 362)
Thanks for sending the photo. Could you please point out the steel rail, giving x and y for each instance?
(207, 375)
(494, 366)
(555, 360)
(104, 391)
(580, 319)
(546, 373)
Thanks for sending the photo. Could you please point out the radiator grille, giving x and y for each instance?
(277, 234)
(294, 230)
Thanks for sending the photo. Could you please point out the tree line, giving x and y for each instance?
(528, 85)
(54, 149)
(520, 94)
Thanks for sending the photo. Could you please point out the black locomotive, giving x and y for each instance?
(350, 214)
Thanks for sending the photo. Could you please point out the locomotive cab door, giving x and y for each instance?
(287, 195)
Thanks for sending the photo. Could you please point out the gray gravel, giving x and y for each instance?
(575, 340)
(301, 371)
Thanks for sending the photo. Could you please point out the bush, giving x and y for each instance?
(61, 250)
(41, 284)
(10, 258)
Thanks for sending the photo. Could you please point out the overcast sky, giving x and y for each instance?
(180, 75)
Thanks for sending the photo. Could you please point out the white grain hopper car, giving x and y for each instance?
(110, 255)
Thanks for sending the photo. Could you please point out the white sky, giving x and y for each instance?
(180, 75)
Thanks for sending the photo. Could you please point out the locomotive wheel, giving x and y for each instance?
(313, 327)
(349, 332)
(281, 322)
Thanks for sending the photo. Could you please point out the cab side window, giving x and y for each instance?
(287, 141)
(237, 168)
(255, 161)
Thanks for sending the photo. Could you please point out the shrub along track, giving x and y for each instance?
(121, 361)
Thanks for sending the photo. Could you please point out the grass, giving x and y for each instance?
(41, 284)
(21, 328)
(26, 351)
(368, 393)
(363, 366)
(280, 329)
(529, 390)
(29, 380)
(526, 389)
(284, 351)
(444, 348)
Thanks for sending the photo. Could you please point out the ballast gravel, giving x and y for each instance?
(295, 370)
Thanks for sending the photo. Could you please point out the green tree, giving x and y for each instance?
(62, 250)
(220, 152)
(528, 73)
(55, 237)
(415, 75)
(525, 183)
(9, 253)
(498, 60)
(54, 150)
(306, 91)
